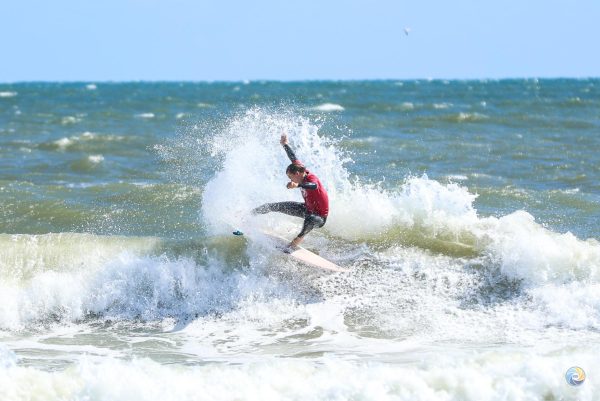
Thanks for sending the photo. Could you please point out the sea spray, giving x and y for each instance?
(248, 167)
(450, 295)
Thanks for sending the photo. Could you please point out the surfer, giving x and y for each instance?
(314, 209)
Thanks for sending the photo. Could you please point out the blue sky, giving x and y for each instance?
(85, 40)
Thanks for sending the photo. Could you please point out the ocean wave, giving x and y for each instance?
(57, 278)
(326, 107)
(422, 204)
(145, 115)
(22, 255)
(70, 120)
(6, 94)
(457, 177)
(490, 375)
(131, 288)
(421, 212)
(527, 251)
(87, 164)
(468, 117)
(406, 106)
(574, 305)
(82, 141)
(96, 159)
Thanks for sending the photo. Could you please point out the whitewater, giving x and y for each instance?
(120, 278)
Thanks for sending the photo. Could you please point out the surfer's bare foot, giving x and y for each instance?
(295, 242)
(290, 248)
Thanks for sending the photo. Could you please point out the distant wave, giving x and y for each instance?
(466, 117)
(96, 159)
(84, 139)
(8, 94)
(457, 177)
(145, 115)
(64, 143)
(70, 120)
(328, 107)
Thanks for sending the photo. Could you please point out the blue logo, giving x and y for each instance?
(575, 376)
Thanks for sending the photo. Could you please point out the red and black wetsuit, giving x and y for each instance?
(315, 208)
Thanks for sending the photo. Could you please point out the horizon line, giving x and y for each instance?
(248, 81)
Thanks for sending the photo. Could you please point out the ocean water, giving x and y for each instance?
(466, 211)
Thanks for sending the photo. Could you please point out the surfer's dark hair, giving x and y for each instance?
(295, 168)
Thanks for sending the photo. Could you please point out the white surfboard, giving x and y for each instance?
(304, 255)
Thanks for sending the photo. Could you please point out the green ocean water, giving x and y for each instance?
(466, 211)
(70, 154)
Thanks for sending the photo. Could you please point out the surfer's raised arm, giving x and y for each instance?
(284, 142)
(295, 167)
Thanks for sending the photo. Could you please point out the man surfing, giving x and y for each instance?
(315, 208)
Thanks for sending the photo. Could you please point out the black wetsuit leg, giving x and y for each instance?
(312, 221)
(296, 209)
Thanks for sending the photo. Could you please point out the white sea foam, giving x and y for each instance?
(8, 358)
(470, 117)
(486, 376)
(522, 248)
(23, 256)
(65, 277)
(96, 159)
(527, 251)
(8, 94)
(420, 202)
(457, 177)
(63, 143)
(574, 305)
(68, 142)
(327, 107)
(70, 120)
(91, 87)
(406, 106)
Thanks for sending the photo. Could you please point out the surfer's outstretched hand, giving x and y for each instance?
(292, 185)
(283, 140)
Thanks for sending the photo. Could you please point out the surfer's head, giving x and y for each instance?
(295, 168)
(295, 172)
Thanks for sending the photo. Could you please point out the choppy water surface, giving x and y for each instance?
(467, 212)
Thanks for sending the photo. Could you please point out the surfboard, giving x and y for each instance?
(303, 255)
